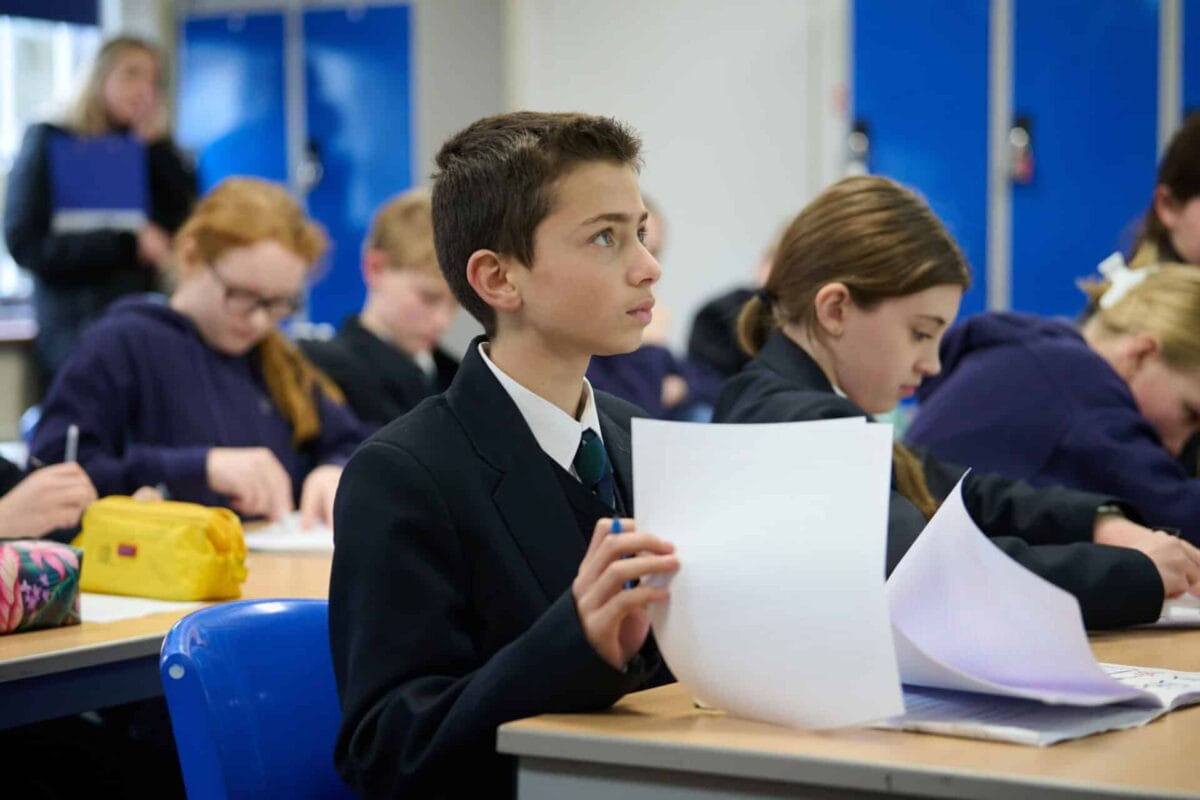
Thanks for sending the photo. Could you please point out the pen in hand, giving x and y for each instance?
(616, 528)
(72, 450)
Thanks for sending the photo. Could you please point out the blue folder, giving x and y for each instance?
(97, 183)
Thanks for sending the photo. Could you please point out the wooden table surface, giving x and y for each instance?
(267, 575)
(661, 729)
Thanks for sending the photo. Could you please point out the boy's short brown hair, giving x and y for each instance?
(402, 229)
(495, 182)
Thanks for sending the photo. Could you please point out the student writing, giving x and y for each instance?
(203, 394)
(1107, 408)
(863, 286)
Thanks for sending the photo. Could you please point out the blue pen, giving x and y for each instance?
(616, 528)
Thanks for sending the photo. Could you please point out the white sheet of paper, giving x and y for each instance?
(287, 535)
(1009, 719)
(1181, 612)
(1165, 688)
(778, 610)
(94, 607)
(972, 619)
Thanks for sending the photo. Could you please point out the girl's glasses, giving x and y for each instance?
(242, 302)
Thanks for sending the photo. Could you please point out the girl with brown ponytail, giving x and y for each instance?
(203, 395)
(863, 286)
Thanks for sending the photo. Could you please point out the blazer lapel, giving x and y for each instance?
(527, 494)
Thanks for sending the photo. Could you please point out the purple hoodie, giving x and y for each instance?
(1027, 397)
(150, 398)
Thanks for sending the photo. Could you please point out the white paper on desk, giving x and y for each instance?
(95, 607)
(287, 535)
(1010, 719)
(778, 610)
(1163, 688)
(970, 618)
(1180, 612)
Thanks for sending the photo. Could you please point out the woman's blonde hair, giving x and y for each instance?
(878, 239)
(87, 115)
(1165, 304)
(402, 229)
(240, 212)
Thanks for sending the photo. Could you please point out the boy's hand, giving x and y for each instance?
(615, 620)
(253, 477)
(51, 498)
(316, 496)
(674, 391)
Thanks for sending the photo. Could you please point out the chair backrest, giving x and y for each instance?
(253, 705)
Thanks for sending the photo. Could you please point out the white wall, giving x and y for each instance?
(740, 107)
(459, 69)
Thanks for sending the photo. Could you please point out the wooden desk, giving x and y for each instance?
(654, 744)
(50, 673)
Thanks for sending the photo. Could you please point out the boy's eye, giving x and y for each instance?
(920, 336)
(605, 238)
(642, 235)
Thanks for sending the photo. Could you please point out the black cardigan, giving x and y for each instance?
(1047, 530)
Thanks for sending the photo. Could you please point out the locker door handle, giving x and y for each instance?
(311, 169)
(858, 148)
(1020, 150)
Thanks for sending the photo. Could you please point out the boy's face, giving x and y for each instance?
(589, 291)
(415, 307)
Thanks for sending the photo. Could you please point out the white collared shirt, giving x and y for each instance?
(556, 432)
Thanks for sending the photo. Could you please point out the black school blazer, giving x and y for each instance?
(450, 607)
(379, 380)
(1047, 530)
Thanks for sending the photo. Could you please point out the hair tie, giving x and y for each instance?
(1121, 279)
(765, 296)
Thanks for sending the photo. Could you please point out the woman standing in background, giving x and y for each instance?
(92, 201)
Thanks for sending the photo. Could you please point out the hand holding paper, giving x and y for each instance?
(778, 612)
(615, 618)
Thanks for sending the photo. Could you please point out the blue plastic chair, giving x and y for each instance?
(253, 705)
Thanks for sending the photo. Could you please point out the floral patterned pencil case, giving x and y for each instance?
(39, 584)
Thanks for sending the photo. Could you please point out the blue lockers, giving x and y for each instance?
(920, 74)
(359, 112)
(358, 115)
(231, 111)
(1086, 73)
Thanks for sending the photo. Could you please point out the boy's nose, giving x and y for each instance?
(647, 269)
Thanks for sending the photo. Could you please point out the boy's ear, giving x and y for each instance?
(374, 262)
(188, 256)
(831, 304)
(488, 274)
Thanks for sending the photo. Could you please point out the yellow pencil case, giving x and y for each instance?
(163, 549)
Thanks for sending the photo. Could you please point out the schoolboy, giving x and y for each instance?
(475, 578)
(387, 358)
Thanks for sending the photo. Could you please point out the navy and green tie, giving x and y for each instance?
(594, 470)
